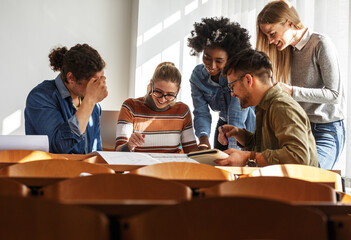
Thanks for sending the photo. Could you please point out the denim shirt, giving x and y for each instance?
(207, 93)
(50, 111)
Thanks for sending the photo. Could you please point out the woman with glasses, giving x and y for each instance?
(156, 122)
(218, 39)
(308, 61)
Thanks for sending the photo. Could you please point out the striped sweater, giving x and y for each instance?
(164, 131)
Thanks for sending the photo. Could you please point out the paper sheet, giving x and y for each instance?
(133, 158)
(127, 158)
(24, 142)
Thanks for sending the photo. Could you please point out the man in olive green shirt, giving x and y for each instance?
(283, 131)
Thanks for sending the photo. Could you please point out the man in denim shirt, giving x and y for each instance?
(66, 109)
(219, 39)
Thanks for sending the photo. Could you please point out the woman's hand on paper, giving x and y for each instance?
(136, 140)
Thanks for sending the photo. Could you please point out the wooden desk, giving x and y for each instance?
(117, 209)
(337, 214)
(339, 218)
(340, 227)
(38, 182)
(121, 208)
(238, 170)
(77, 157)
(235, 170)
(328, 209)
(195, 184)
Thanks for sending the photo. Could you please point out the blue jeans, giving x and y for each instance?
(330, 140)
(232, 141)
(216, 144)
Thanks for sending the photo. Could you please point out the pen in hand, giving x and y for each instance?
(224, 134)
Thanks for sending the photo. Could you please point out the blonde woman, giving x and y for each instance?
(308, 61)
(156, 122)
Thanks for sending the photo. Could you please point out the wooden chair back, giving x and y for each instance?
(94, 159)
(184, 170)
(27, 155)
(226, 217)
(53, 168)
(276, 188)
(33, 218)
(344, 197)
(303, 172)
(10, 187)
(116, 186)
(108, 128)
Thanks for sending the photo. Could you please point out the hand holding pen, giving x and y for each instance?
(225, 135)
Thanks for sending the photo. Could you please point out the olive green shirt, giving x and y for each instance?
(283, 131)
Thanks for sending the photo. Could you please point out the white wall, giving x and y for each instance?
(30, 29)
(162, 36)
(163, 29)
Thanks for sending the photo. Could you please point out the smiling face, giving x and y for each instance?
(163, 89)
(238, 90)
(214, 60)
(281, 35)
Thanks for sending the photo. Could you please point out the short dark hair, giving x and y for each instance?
(218, 32)
(81, 60)
(250, 61)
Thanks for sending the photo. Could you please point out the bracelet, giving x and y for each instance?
(252, 162)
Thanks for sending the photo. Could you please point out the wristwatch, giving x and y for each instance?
(252, 162)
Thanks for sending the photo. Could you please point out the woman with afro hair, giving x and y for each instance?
(218, 39)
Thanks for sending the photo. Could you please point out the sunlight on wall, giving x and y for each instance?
(191, 7)
(144, 75)
(139, 40)
(145, 72)
(171, 19)
(152, 31)
(187, 68)
(12, 122)
(171, 54)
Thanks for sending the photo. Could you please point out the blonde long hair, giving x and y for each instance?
(165, 71)
(277, 12)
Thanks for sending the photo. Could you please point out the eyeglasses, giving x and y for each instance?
(230, 85)
(168, 97)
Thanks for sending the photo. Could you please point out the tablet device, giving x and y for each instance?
(208, 156)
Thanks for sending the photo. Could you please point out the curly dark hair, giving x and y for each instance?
(218, 32)
(81, 60)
